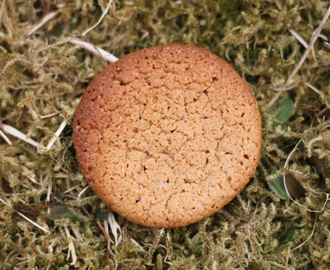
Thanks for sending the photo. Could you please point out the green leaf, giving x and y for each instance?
(61, 212)
(277, 186)
(282, 110)
(287, 236)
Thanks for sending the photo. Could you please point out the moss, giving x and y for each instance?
(42, 78)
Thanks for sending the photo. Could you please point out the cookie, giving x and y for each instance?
(168, 135)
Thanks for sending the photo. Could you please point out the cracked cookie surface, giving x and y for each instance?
(168, 135)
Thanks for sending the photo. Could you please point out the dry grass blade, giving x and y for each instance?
(102, 16)
(14, 132)
(29, 174)
(71, 250)
(115, 228)
(57, 134)
(46, 19)
(82, 192)
(299, 38)
(309, 237)
(94, 50)
(27, 219)
(3, 135)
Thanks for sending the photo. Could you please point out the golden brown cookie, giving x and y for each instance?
(168, 135)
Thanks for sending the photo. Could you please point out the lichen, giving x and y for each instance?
(42, 78)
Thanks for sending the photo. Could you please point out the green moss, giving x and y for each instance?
(42, 78)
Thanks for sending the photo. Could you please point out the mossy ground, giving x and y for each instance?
(42, 77)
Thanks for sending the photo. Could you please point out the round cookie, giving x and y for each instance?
(168, 135)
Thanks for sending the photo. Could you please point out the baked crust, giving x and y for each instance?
(168, 135)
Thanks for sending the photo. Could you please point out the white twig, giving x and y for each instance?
(287, 191)
(14, 132)
(49, 115)
(26, 218)
(309, 237)
(101, 18)
(114, 226)
(50, 247)
(71, 247)
(70, 189)
(311, 44)
(57, 134)
(81, 192)
(49, 190)
(35, 224)
(3, 135)
(94, 49)
(45, 19)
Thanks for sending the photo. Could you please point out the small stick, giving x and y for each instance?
(108, 241)
(287, 257)
(323, 111)
(311, 44)
(314, 88)
(101, 18)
